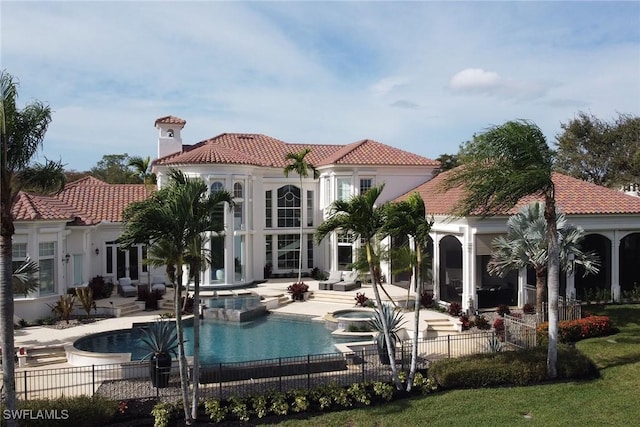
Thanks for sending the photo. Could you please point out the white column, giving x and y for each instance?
(615, 266)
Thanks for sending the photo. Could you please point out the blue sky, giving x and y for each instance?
(421, 76)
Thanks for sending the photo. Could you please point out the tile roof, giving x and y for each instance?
(262, 150)
(87, 201)
(171, 120)
(573, 197)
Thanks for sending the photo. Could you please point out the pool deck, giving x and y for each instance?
(326, 302)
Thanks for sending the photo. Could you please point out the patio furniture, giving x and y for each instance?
(126, 288)
(334, 277)
(349, 283)
(158, 284)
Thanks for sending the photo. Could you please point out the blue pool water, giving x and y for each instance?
(265, 338)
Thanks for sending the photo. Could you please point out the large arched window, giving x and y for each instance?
(289, 211)
(238, 208)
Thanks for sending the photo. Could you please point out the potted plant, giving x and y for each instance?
(161, 341)
(298, 291)
(394, 322)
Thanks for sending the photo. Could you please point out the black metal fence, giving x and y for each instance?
(132, 380)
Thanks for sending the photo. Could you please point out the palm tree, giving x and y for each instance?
(525, 245)
(21, 135)
(300, 166)
(361, 217)
(409, 218)
(500, 167)
(25, 277)
(142, 168)
(177, 217)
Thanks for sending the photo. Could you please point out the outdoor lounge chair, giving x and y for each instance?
(327, 285)
(157, 284)
(126, 288)
(349, 283)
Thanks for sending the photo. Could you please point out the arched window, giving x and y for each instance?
(170, 133)
(238, 192)
(217, 186)
(289, 211)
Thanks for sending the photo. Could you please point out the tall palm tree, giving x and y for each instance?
(21, 136)
(361, 217)
(409, 218)
(300, 166)
(181, 214)
(501, 166)
(142, 168)
(525, 245)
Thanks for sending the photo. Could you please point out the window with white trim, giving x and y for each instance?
(365, 184)
(47, 265)
(344, 188)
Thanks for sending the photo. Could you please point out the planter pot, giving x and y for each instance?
(383, 355)
(159, 369)
(220, 274)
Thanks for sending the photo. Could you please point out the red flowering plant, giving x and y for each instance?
(576, 330)
(122, 407)
(297, 290)
(361, 299)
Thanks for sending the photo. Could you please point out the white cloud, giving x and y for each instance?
(476, 79)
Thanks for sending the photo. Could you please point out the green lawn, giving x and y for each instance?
(612, 400)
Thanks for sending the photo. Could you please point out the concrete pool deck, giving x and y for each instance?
(321, 303)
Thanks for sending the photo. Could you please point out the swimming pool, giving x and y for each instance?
(268, 337)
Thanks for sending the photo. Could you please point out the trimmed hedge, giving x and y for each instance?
(570, 331)
(509, 368)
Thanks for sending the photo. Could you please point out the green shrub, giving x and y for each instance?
(509, 368)
(162, 413)
(279, 405)
(383, 390)
(260, 405)
(299, 400)
(215, 410)
(65, 411)
(358, 392)
(239, 409)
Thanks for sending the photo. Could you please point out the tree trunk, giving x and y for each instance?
(6, 317)
(416, 316)
(385, 327)
(300, 249)
(195, 377)
(553, 282)
(541, 288)
(182, 359)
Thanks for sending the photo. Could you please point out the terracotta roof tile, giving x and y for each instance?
(573, 197)
(85, 202)
(262, 150)
(33, 207)
(171, 120)
(368, 152)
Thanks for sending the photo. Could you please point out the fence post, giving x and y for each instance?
(280, 374)
(308, 371)
(220, 380)
(25, 386)
(93, 380)
(362, 363)
(448, 346)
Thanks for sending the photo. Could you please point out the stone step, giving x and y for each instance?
(41, 356)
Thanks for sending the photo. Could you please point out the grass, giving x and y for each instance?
(610, 400)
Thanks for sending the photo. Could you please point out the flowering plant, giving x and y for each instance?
(297, 290)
